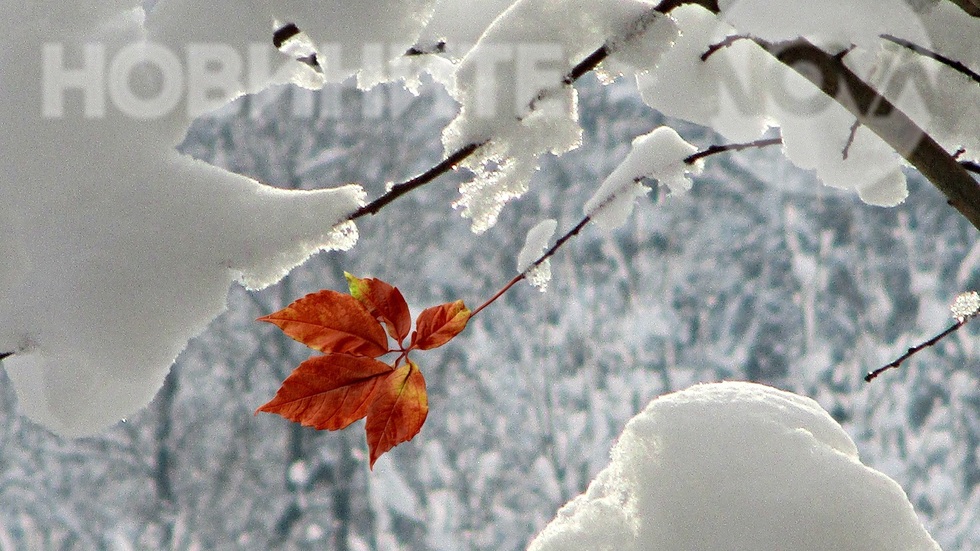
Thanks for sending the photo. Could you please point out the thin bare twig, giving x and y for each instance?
(714, 149)
(850, 138)
(949, 62)
(915, 349)
(548, 254)
(728, 41)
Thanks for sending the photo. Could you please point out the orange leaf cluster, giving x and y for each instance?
(348, 382)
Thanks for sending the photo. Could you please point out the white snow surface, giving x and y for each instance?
(534, 246)
(658, 155)
(736, 465)
(830, 24)
(117, 249)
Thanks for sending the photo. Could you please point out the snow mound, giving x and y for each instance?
(736, 466)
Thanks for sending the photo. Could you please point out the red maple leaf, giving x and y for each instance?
(398, 411)
(348, 382)
(439, 324)
(384, 302)
(329, 392)
(329, 321)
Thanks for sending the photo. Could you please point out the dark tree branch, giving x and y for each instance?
(836, 80)
(850, 138)
(951, 63)
(714, 149)
(398, 190)
(915, 349)
(589, 63)
(972, 7)
(417, 50)
(286, 33)
(728, 41)
(283, 34)
(666, 5)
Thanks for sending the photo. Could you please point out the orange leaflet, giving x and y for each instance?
(438, 325)
(398, 411)
(329, 321)
(384, 302)
(329, 392)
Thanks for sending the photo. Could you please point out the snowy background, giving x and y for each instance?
(759, 273)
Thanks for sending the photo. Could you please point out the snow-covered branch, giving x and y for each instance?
(839, 82)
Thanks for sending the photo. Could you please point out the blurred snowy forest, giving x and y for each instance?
(759, 273)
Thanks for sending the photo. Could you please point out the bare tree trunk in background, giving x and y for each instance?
(293, 512)
(163, 463)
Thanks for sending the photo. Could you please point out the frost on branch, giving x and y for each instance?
(966, 305)
(658, 155)
(736, 466)
(118, 249)
(534, 246)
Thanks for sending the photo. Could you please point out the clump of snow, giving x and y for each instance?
(359, 28)
(640, 46)
(943, 101)
(736, 466)
(727, 92)
(121, 248)
(966, 305)
(511, 93)
(534, 246)
(459, 24)
(658, 155)
(821, 21)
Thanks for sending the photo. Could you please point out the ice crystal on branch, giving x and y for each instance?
(966, 305)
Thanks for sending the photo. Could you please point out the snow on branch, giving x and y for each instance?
(877, 113)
